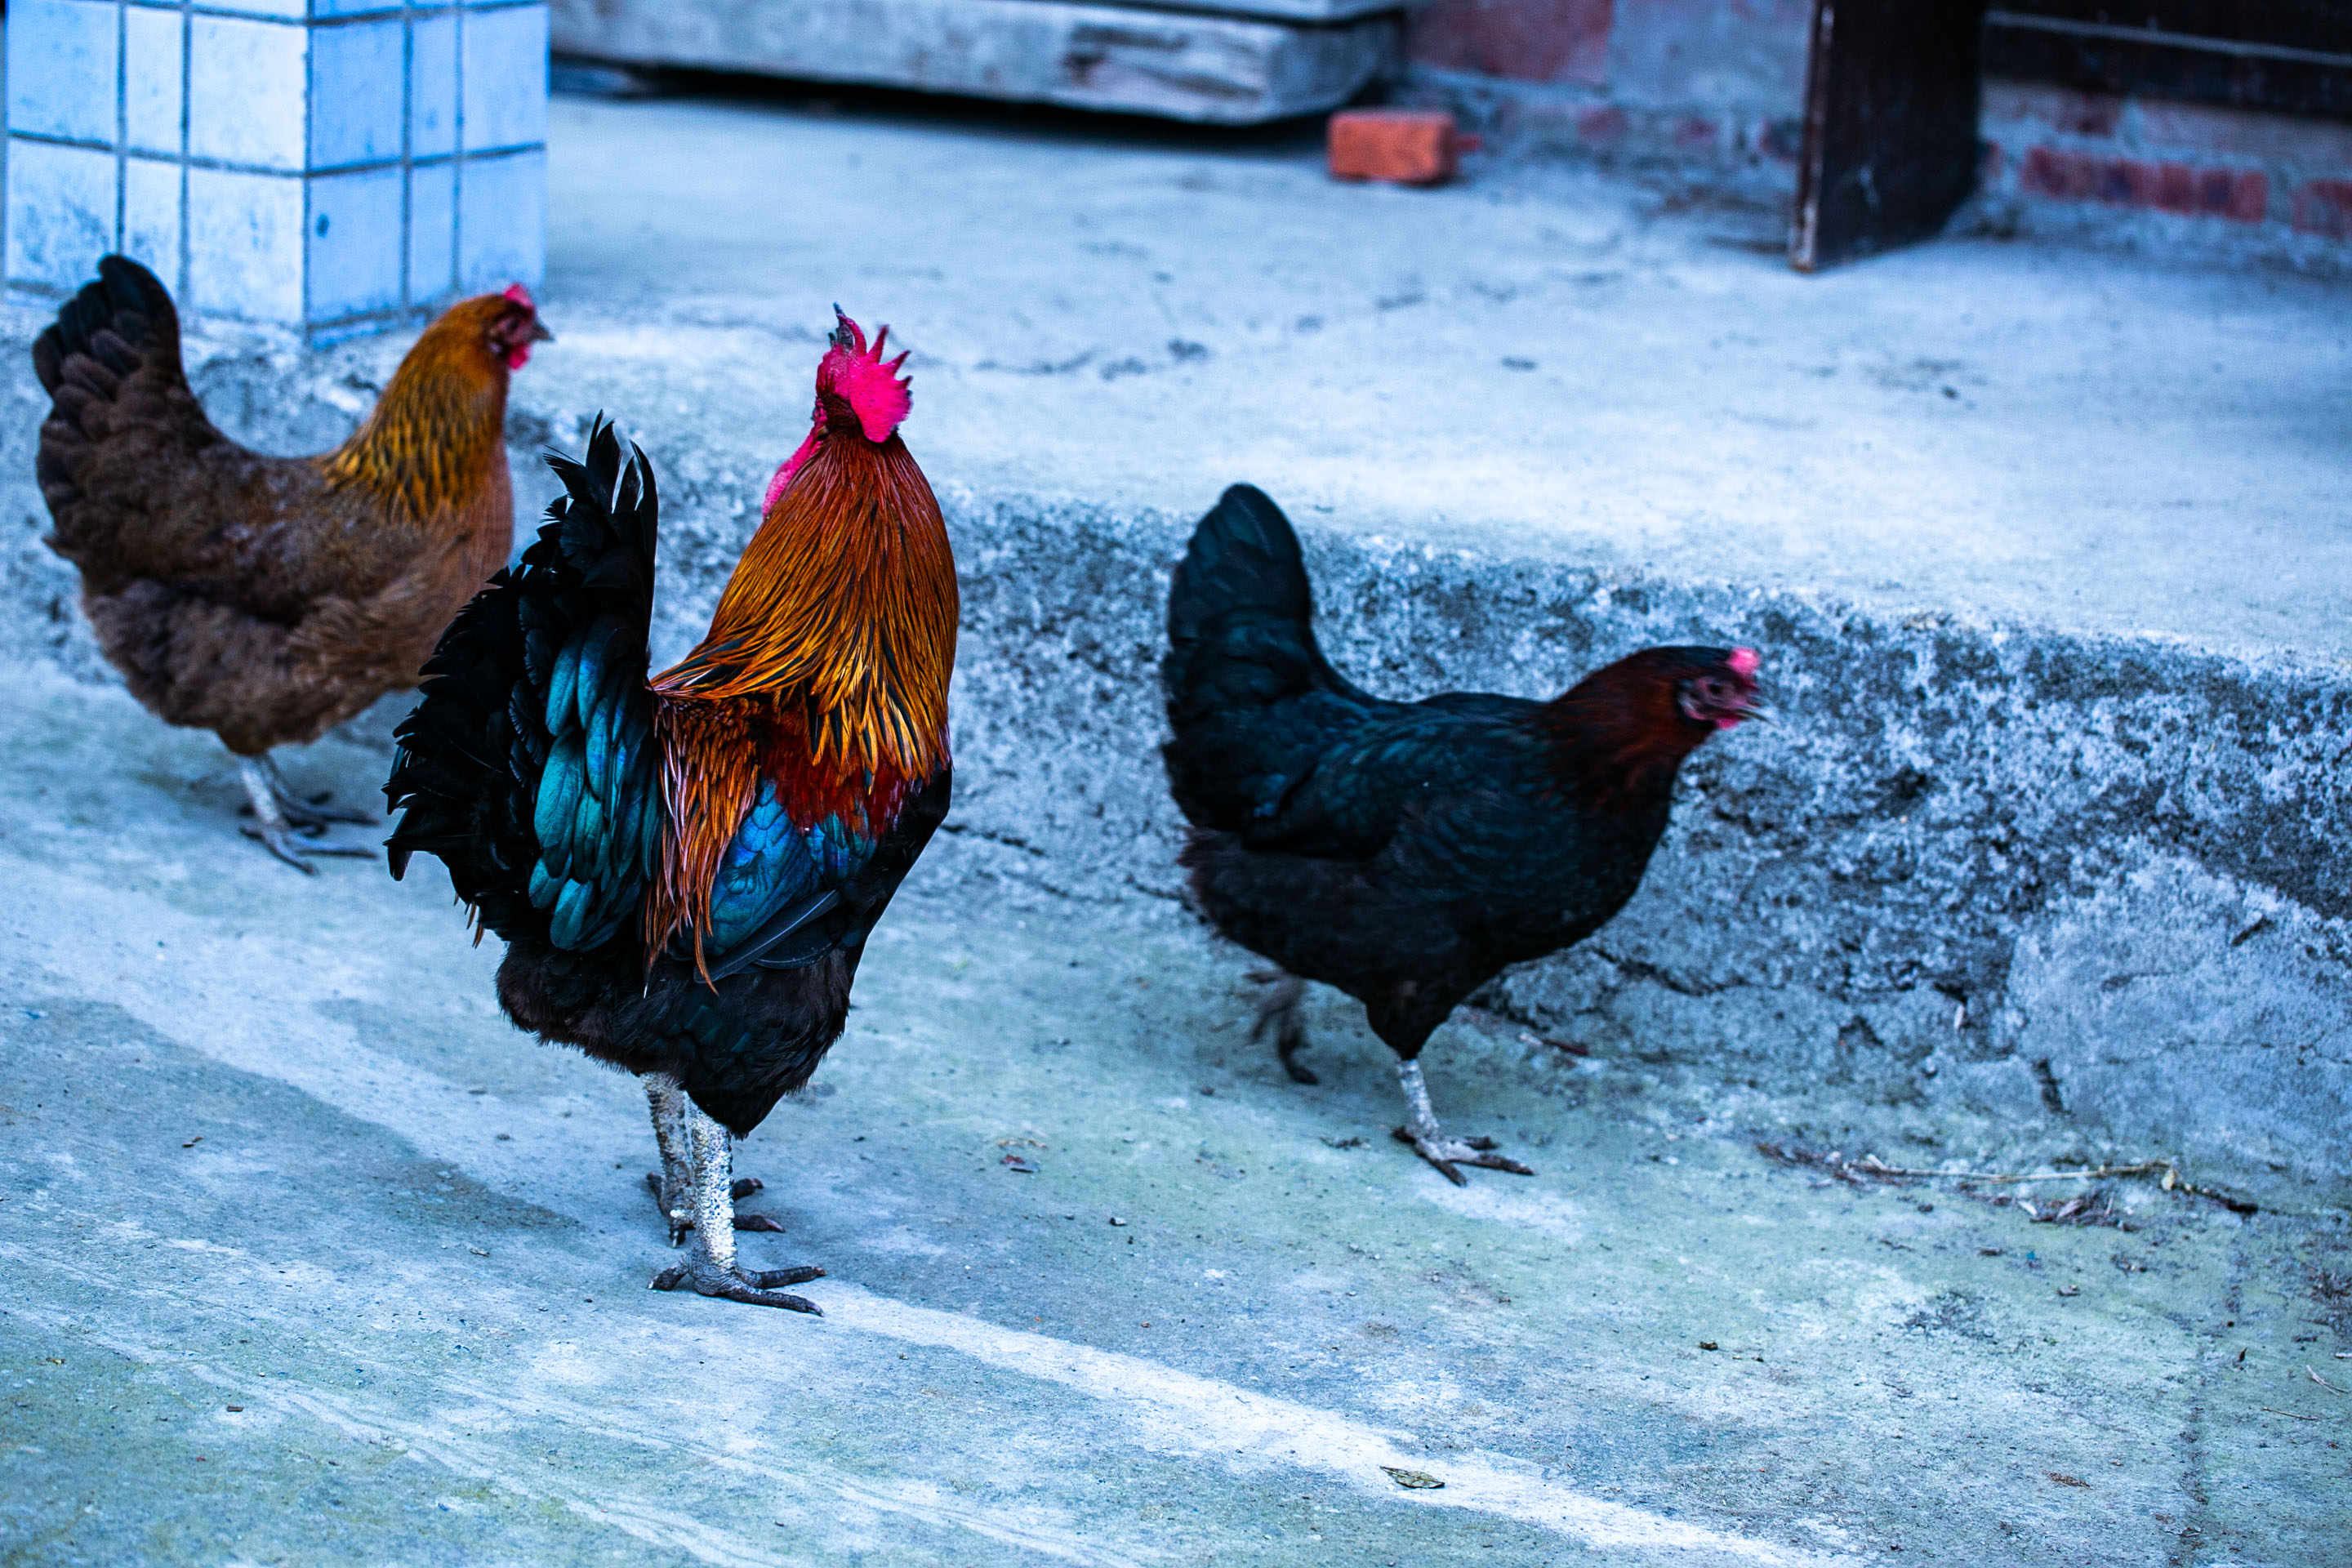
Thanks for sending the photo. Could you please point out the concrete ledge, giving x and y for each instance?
(1180, 64)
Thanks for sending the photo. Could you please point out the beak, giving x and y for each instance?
(1755, 713)
(538, 332)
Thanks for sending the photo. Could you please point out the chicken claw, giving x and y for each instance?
(1430, 1142)
(691, 1139)
(755, 1288)
(278, 812)
(1447, 1153)
(1278, 1009)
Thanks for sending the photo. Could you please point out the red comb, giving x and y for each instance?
(521, 296)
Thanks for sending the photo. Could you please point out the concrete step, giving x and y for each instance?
(1236, 63)
(2048, 829)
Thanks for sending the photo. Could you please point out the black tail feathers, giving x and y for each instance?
(1243, 556)
(123, 320)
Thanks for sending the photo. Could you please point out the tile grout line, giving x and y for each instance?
(187, 266)
(407, 152)
(458, 146)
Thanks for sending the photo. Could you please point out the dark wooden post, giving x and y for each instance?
(1891, 98)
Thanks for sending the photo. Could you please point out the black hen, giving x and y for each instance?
(1406, 852)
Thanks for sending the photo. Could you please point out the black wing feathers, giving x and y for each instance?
(466, 778)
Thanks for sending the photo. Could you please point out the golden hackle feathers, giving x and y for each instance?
(825, 668)
(843, 607)
(431, 437)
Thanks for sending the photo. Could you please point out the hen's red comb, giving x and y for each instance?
(521, 296)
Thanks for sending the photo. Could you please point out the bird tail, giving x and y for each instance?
(528, 767)
(1241, 616)
(1251, 698)
(111, 357)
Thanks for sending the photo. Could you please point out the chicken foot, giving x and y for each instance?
(278, 813)
(710, 1267)
(1279, 1010)
(673, 1187)
(1430, 1142)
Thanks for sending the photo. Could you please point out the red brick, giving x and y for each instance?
(2066, 176)
(1407, 146)
(1525, 40)
(2250, 196)
(2241, 194)
(1694, 133)
(1602, 126)
(2176, 188)
(2324, 208)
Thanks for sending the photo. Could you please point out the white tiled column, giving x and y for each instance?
(328, 165)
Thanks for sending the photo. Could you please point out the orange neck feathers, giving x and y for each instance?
(429, 445)
(825, 668)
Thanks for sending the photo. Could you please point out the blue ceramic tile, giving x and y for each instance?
(62, 68)
(355, 93)
(504, 77)
(150, 217)
(60, 212)
(433, 87)
(501, 221)
(151, 78)
(245, 243)
(355, 243)
(432, 233)
(248, 91)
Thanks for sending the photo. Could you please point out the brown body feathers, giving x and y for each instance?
(268, 598)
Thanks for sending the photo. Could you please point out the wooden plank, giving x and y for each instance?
(2294, 62)
(1890, 145)
(1180, 64)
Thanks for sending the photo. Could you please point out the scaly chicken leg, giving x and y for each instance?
(1430, 1142)
(1278, 1009)
(709, 1268)
(673, 1188)
(278, 812)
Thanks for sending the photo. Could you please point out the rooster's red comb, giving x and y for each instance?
(858, 374)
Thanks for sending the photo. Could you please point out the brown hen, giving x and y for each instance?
(265, 598)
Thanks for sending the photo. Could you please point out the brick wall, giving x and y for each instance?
(1711, 84)
(2181, 172)
(1716, 88)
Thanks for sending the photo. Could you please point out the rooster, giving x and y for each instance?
(684, 868)
(1406, 853)
(267, 599)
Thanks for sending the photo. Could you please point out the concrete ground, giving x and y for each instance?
(309, 1258)
(306, 1257)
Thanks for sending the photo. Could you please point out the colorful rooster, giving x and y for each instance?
(685, 870)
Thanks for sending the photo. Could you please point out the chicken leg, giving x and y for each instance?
(710, 1267)
(1278, 1009)
(673, 1188)
(1430, 1142)
(278, 812)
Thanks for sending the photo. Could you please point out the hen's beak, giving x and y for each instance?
(538, 332)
